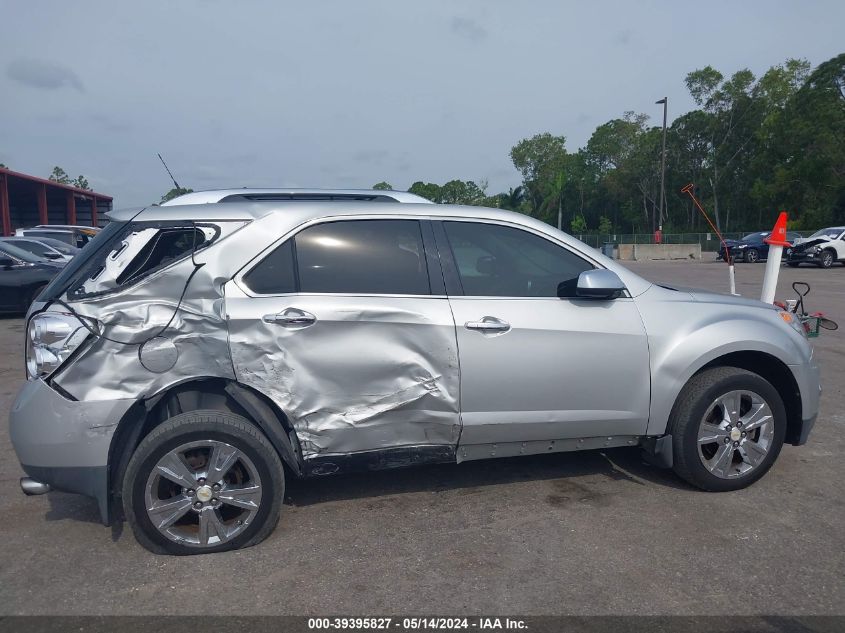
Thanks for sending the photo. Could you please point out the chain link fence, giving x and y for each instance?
(708, 241)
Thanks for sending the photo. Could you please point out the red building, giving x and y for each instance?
(27, 200)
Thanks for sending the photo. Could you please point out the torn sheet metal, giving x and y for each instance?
(110, 366)
(369, 373)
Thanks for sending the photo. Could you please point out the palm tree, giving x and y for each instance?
(513, 198)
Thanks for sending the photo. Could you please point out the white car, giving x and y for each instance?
(823, 248)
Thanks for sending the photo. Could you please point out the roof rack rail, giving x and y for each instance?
(280, 195)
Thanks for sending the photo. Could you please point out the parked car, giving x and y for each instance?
(823, 248)
(75, 236)
(44, 248)
(90, 230)
(192, 357)
(752, 248)
(22, 277)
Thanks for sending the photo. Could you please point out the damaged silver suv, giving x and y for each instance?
(198, 353)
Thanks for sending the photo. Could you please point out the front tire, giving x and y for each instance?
(752, 256)
(827, 258)
(201, 482)
(727, 428)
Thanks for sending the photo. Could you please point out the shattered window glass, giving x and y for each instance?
(139, 250)
(165, 247)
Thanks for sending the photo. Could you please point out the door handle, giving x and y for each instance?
(488, 324)
(290, 316)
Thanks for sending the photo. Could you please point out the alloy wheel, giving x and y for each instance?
(203, 493)
(735, 434)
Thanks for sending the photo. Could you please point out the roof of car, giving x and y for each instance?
(305, 210)
(253, 195)
(46, 229)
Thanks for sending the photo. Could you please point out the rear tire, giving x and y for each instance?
(792, 264)
(717, 449)
(201, 482)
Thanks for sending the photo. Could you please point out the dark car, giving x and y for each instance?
(43, 248)
(22, 277)
(752, 248)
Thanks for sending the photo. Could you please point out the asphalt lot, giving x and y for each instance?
(580, 533)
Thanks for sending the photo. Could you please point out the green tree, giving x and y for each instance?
(540, 159)
(382, 186)
(60, 176)
(605, 225)
(579, 225)
(80, 182)
(427, 190)
(512, 199)
(174, 193)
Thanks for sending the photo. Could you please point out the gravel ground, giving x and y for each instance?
(583, 533)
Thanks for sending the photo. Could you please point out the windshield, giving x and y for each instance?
(62, 247)
(19, 253)
(751, 237)
(31, 246)
(825, 233)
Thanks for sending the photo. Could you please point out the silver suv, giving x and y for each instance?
(196, 354)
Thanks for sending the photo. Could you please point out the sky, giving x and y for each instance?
(345, 94)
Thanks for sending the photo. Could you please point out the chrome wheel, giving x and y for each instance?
(735, 434)
(751, 256)
(203, 493)
(827, 259)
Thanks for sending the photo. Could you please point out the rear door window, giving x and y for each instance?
(347, 257)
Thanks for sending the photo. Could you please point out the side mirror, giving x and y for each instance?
(6, 262)
(599, 284)
(52, 256)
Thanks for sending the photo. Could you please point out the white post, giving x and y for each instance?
(770, 280)
(732, 279)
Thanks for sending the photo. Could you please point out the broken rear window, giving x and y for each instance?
(164, 248)
(136, 251)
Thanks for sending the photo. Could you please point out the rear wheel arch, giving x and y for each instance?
(195, 395)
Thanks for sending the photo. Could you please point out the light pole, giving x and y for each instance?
(664, 101)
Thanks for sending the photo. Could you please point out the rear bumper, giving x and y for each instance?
(65, 443)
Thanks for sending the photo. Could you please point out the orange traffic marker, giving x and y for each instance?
(778, 236)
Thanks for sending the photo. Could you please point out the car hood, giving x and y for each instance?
(708, 296)
(804, 244)
(49, 266)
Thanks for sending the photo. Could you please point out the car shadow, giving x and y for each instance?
(618, 464)
(621, 464)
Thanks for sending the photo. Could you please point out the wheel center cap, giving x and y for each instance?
(735, 435)
(204, 493)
